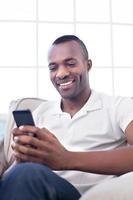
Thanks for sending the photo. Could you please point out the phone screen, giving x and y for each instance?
(23, 117)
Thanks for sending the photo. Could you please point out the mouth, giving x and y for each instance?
(66, 85)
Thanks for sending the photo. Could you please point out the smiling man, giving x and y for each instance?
(69, 66)
(83, 144)
(69, 70)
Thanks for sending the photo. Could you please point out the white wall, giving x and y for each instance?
(28, 27)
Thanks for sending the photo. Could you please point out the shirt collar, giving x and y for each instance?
(94, 103)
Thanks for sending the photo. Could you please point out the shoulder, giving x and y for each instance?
(115, 101)
(119, 108)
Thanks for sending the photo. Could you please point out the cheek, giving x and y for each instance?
(52, 77)
(84, 77)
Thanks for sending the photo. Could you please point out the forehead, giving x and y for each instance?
(65, 50)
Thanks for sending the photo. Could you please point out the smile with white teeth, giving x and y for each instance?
(66, 85)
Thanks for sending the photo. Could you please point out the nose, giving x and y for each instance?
(62, 72)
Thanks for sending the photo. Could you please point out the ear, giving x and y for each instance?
(89, 64)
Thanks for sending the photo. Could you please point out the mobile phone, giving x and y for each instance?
(23, 117)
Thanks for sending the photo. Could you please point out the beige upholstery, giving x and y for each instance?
(118, 188)
(5, 144)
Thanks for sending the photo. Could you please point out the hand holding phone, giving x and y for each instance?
(23, 117)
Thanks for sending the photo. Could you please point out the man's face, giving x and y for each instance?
(68, 69)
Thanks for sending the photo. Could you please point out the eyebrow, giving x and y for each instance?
(52, 63)
(65, 60)
(69, 59)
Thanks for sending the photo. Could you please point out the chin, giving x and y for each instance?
(68, 96)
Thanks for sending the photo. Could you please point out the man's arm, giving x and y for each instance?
(118, 161)
(50, 152)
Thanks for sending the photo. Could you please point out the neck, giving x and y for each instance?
(72, 106)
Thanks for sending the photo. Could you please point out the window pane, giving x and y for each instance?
(123, 81)
(47, 34)
(17, 44)
(123, 45)
(46, 89)
(17, 9)
(101, 80)
(92, 10)
(122, 11)
(16, 83)
(97, 39)
(57, 10)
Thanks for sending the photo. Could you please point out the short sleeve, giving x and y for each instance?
(124, 112)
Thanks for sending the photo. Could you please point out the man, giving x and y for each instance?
(80, 143)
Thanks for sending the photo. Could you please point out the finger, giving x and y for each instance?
(48, 133)
(29, 130)
(27, 158)
(42, 133)
(16, 131)
(29, 141)
(32, 147)
(23, 140)
(45, 135)
(29, 152)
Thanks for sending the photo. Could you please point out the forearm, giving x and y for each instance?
(116, 161)
(49, 151)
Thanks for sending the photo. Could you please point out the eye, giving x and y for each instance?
(52, 67)
(71, 64)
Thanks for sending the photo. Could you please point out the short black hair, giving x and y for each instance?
(67, 38)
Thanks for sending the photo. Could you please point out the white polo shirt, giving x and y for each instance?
(99, 125)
